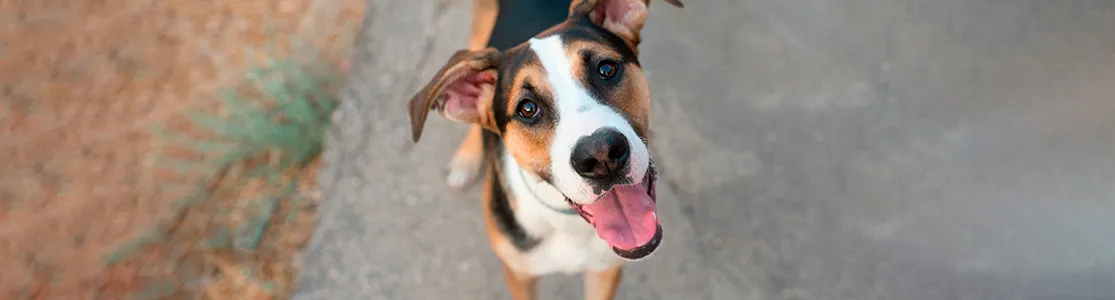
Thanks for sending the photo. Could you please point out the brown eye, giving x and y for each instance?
(607, 69)
(528, 109)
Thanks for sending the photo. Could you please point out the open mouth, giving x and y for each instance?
(626, 217)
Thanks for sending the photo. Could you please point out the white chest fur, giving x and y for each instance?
(568, 244)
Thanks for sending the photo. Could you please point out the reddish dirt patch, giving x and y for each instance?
(83, 84)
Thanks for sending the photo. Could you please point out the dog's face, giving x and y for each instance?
(572, 106)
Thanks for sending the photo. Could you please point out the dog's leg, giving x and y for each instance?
(464, 167)
(602, 285)
(522, 286)
(483, 19)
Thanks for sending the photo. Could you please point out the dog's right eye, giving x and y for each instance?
(528, 110)
(607, 69)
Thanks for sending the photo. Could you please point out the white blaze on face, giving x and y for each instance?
(579, 115)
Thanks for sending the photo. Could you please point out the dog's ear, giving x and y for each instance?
(624, 18)
(461, 91)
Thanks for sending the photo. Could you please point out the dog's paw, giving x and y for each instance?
(464, 170)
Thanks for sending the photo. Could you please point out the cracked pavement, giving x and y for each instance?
(810, 149)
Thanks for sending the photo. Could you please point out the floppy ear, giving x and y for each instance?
(624, 18)
(461, 91)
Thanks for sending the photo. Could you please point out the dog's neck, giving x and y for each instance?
(530, 188)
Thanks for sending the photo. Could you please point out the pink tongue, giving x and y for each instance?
(625, 217)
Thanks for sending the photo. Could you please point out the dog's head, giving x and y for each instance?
(573, 108)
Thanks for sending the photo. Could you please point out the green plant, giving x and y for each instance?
(272, 123)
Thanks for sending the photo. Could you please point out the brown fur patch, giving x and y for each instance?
(575, 49)
(634, 101)
(530, 145)
(630, 97)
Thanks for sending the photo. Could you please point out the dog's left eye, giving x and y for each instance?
(528, 109)
(607, 69)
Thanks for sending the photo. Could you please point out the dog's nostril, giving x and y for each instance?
(586, 165)
(619, 152)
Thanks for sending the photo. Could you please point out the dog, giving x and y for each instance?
(559, 110)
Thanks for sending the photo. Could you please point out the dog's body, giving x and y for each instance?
(560, 127)
(519, 20)
(569, 245)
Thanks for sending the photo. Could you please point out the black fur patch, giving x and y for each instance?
(500, 204)
(586, 30)
(519, 20)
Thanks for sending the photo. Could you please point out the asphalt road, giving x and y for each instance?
(811, 149)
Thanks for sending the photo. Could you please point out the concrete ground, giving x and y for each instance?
(811, 149)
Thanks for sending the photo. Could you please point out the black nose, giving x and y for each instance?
(602, 155)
